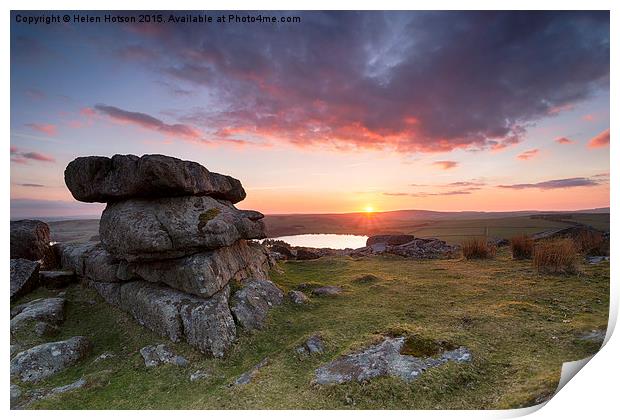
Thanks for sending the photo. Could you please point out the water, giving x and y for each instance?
(325, 240)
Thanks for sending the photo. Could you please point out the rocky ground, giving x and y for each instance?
(516, 326)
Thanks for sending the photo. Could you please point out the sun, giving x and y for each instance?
(369, 209)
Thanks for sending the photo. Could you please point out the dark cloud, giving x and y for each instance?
(32, 185)
(148, 122)
(564, 140)
(432, 194)
(556, 184)
(412, 81)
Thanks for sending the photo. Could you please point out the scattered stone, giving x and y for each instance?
(43, 329)
(199, 375)
(101, 179)
(248, 376)
(596, 259)
(306, 254)
(69, 387)
(30, 240)
(595, 336)
(57, 279)
(104, 356)
(384, 359)
(24, 276)
(43, 361)
(16, 394)
(172, 227)
(327, 291)
(313, 345)
(156, 355)
(389, 239)
(50, 311)
(407, 246)
(251, 303)
(297, 297)
(206, 273)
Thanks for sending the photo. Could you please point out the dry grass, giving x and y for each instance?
(556, 256)
(478, 249)
(591, 243)
(522, 247)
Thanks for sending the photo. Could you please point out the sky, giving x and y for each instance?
(341, 112)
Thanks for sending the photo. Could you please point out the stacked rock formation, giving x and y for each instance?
(172, 241)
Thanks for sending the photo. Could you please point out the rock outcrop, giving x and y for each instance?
(30, 239)
(407, 246)
(171, 243)
(384, 359)
(45, 360)
(24, 276)
(50, 311)
(102, 179)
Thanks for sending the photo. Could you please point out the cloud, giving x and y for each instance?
(32, 185)
(564, 140)
(431, 194)
(35, 94)
(382, 79)
(466, 184)
(20, 157)
(49, 129)
(555, 184)
(528, 154)
(446, 164)
(148, 122)
(600, 140)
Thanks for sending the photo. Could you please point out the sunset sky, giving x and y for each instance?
(405, 110)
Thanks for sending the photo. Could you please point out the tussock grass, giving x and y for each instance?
(478, 249)
(556, 256)
(522, 247)
(592, 243)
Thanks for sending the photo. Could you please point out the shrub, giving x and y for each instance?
(591, 243)
(478, 248)
(556, 256)
(522, 247)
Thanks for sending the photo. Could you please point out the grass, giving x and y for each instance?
(477, 249)
(556, 256)
(519, 325)
(522, 247)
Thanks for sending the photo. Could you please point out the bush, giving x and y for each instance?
(556, 256)
(477, 249)
(591, 243)
(522, 247)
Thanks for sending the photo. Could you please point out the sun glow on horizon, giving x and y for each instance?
(369, 209)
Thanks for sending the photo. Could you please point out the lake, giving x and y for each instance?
(325, 240)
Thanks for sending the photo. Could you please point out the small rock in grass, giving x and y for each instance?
(327, 291)
(297, 297)
(51, 310)
(247, 377)
(156, 355)
(198, 375)
(313, 345)
(250, 304)
(16, 394)
(104, 356)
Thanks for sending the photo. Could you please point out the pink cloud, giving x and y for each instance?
(446, 164)
(88, 112)
(564, 140)
(149, 122)
(528, 154)
(600, 140)
(588, 117)
(49, 129)
(17, 156)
